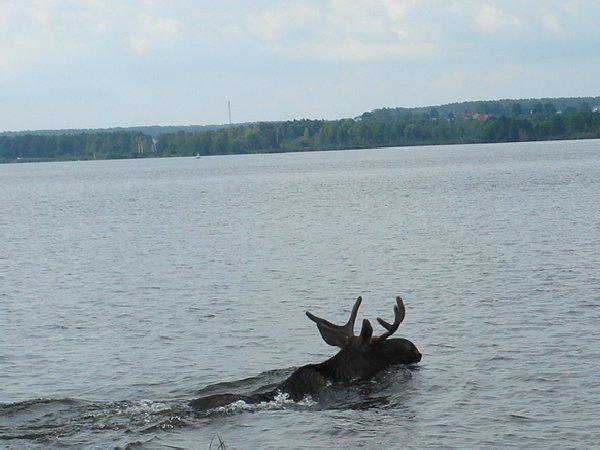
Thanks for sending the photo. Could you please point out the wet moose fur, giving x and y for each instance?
(360, 357)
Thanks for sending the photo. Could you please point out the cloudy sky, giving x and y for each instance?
(100, 63)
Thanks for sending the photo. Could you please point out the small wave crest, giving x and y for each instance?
(140, 407)
(32, 404)
(49, 420)
(281, 401)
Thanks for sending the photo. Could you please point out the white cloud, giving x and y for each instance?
(338, 30)
(570, 7)
(341, 30)
(398, 9)
(43, 14)
(552, 24)
(153, 29)
(41, 33)
(354, 51)
(101, 25)
(51, 48)
(167, 26)
(276, 23)
(453, 80)
(490, 19)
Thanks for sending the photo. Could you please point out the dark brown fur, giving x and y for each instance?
(360, 357)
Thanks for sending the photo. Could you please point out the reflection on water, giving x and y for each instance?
(128, 288)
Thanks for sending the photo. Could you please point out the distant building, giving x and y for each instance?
(596, 108)
(476, 116)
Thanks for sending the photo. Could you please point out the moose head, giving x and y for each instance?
(363, 355)
(360, 357)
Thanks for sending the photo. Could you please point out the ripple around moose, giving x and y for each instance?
(360, 358)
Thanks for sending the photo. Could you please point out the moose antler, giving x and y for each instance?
(340, 335)
(336, 335)
(399, 313)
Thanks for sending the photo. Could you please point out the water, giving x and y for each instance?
(128, 288)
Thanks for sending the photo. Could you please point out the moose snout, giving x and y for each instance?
(416, 355)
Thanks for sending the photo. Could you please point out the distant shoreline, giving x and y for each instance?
(384, 147)
(480, 122)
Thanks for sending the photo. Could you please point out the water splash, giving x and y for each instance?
(281, 401)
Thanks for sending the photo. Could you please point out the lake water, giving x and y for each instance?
(128, 288)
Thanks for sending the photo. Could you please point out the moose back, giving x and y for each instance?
(359, 358)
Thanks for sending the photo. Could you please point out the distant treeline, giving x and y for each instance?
(412, 129)
(495, 107)
(150, 130)
(484, 122)
(30, 147)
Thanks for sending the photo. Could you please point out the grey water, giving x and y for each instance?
(128, 288)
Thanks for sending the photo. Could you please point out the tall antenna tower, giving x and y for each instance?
(229, 110)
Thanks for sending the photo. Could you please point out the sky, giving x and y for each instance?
(104, 63)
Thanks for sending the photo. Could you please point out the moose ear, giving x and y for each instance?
(331, 336)
(366, 331)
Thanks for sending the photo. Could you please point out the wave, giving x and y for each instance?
(44, 420)
(380, 391)
(66, 421)
(281, 401)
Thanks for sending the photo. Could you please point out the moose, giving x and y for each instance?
(360, 358)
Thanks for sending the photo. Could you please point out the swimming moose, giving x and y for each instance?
(360, 358)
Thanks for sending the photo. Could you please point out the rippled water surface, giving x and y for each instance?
(128, 288)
